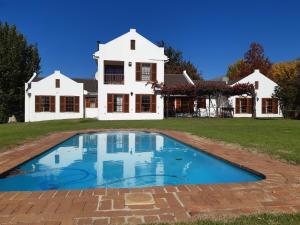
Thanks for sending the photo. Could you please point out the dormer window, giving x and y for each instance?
(132, 44)
(256, 85)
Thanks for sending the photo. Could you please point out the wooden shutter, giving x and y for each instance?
(137, 103)
(126, 103)
(110, 103)
(62, 103)
(177, 104)
(249, 105)
(263, 106)
(153, 72)
(138, 72)
(153, 103)
(96, 101)
(275, 106)
(52, 103)
(237, 105)
(76, 104)
(37, 103)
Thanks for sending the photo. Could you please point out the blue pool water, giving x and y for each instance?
(121, 160)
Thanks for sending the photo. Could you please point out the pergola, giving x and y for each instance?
(205, 88)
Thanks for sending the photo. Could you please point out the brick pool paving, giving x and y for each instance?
(279, 192)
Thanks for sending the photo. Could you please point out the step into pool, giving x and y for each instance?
(121, 159)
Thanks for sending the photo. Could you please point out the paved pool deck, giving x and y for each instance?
(278, 193)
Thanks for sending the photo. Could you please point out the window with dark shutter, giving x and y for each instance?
(138, 73)
(249, 105)
(132, 44)
(76, 106)
(57, 83)
(263, 106)
(52, 103)
(153, 103)
(44, 103)
(37, 103)
(237, 105)
(275, 106)
(137, 103)
(153, 72)
(125, 103)
(110, 102)
(62, 102)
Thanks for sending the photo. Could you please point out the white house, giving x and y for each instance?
(125, 66)
(121, 89)
(265, 104)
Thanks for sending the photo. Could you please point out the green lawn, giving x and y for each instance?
(278, 137)
(265, 219)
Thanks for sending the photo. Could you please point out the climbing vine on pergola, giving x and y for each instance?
(205, 88)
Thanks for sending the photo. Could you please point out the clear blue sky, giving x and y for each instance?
(212, 34)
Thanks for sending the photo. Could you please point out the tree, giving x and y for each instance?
(177, 64)
(284, 71)
(234, 70)
(288, 94)
(18, 61)
(253, 59)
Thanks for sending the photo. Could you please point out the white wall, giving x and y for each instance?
(46, 86)
(265, 89)
(91, 112)
(119, 50)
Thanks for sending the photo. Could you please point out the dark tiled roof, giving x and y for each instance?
(209, 82)
(174, 79)
(36, 79)
(90, 85)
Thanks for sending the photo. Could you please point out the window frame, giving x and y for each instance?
(115, 103)
(149, 104)
(149, 73)
(68, 102)
(42, 103)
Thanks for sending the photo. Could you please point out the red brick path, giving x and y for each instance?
(279, 192)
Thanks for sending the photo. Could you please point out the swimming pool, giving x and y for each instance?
(121, 159)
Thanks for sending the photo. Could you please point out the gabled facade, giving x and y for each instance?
(52, 98)
(265, 104)
(126, 65)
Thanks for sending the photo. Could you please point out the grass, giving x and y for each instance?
(277, 137)
(265, 219)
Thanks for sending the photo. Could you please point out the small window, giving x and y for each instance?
(70, 104)
(146, 103)
(118, 103)
(45, 104)
(132, 44)
(57, 83)
(91, 102)
(256, 85)
(146, 72)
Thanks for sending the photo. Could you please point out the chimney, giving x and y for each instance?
(98, 43)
